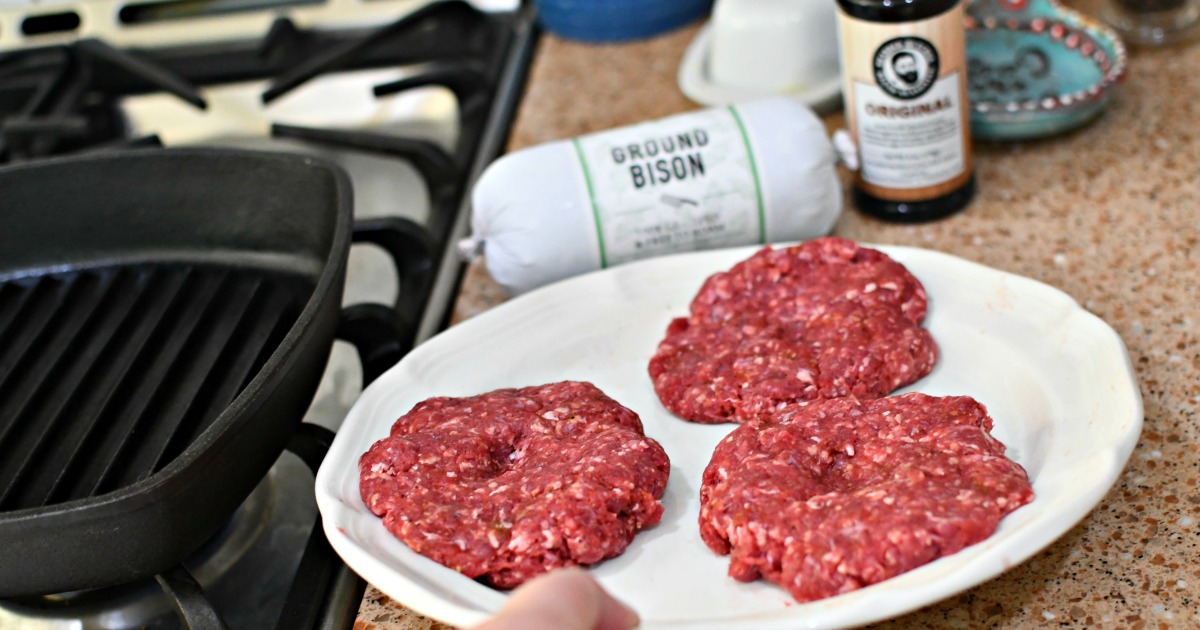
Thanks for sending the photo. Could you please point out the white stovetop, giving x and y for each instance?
(101, 19)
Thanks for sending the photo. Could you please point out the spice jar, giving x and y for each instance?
(905, 91)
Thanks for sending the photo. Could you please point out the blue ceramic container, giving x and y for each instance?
(1036, 68)
(617, 20)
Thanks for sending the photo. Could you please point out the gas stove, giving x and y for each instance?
(412, 99)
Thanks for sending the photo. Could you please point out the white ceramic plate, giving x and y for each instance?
(694, 82)
(1056, 379)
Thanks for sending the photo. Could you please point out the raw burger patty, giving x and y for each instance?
(832, 495)
(824, 319)
(512, 483)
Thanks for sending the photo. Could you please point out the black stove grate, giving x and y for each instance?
(64, 99)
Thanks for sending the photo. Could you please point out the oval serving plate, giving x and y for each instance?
(1056, 379)
(1037, 68)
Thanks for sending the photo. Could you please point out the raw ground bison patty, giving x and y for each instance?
(833, 495)
(824, 319)
(515, 482)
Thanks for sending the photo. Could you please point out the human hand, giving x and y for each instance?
(566, 599)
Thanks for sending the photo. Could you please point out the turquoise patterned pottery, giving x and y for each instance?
(1036, 68)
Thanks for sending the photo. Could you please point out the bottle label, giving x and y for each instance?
(683, 183)
(906, 104)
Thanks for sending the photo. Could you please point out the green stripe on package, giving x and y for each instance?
(680, 184)
(587, 178)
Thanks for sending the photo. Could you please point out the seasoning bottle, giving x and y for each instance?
(905, 91)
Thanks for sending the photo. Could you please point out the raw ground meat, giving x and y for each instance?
(512, 483)
(829, 496)
(824, 319)
(782, 284)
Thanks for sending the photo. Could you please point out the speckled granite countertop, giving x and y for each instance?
(1110, 214)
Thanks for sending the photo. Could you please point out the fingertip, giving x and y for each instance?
(565, 599)
(627, 617)
(632, 618)
(616, 614)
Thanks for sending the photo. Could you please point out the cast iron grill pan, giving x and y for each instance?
(107, 374)
(165, 318)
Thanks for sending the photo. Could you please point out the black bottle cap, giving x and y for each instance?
(895, 10)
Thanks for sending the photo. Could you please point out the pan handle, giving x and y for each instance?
(383, 334)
